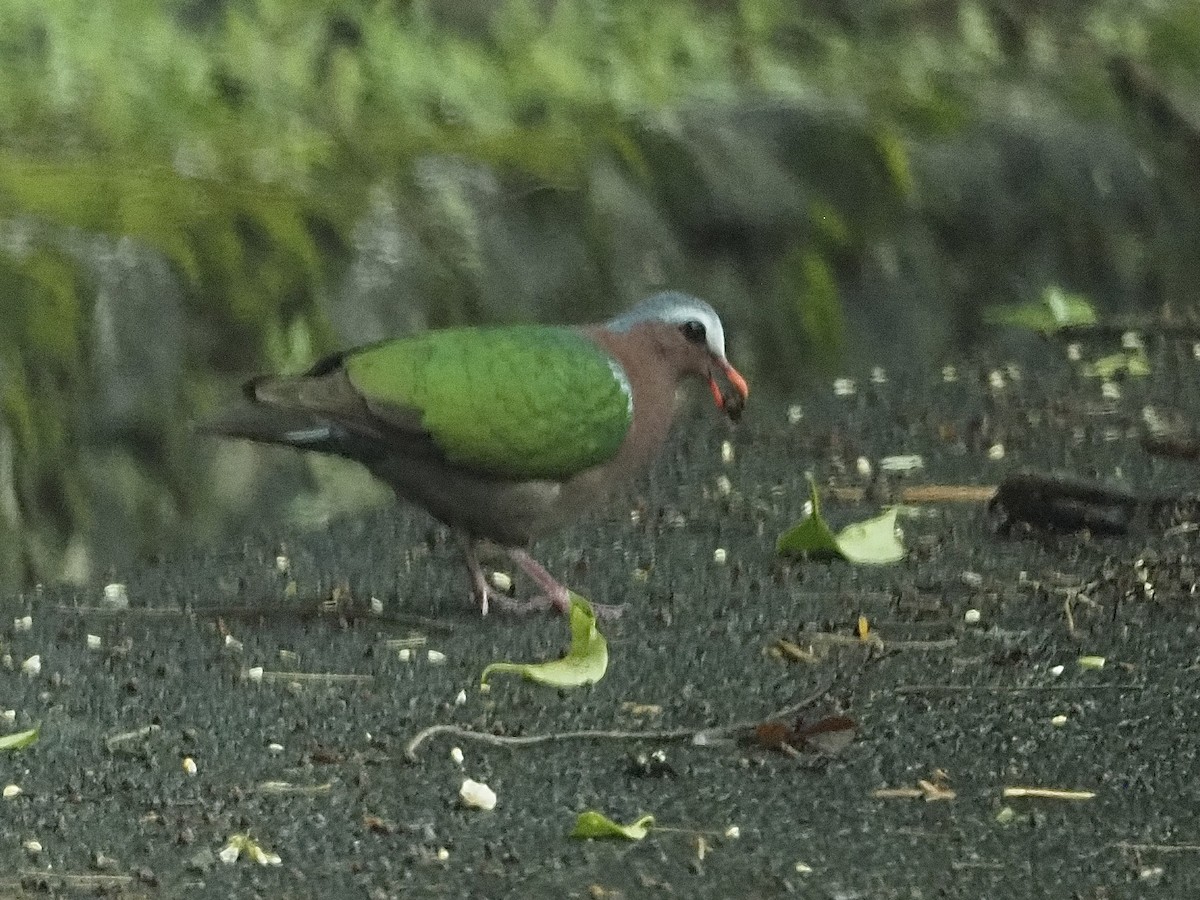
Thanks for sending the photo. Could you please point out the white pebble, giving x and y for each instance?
(971, 617)
(906, 462)
(11, 790)
(461, 698)
(1074, 352)
(404, 654)
(1057, 670)
(995, 452)
(376, 606)
(443, 854)
(1110, 390)
(878, 375)
(949, 374)
(803, 868)
(9, 715)
(255, 673)
(282, 564)
(189, 765)
(996, 380)
(32, 846)
(93, 642)
(233, 643)
(435, 656)
(116, 594)
(733, 832)
(727, 452)
(274, 748)
(719, 556)
(844, 387)
(25, 623)
(477, 795)
(1059, 721)
(502, 581)
(796, 412)
(863, 466)
(456, 754)
(32, 666)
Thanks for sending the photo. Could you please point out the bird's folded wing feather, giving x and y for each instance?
(520, 402)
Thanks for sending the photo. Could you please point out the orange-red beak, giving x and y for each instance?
(735, 379)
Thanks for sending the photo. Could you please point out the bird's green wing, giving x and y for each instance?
(518, 402)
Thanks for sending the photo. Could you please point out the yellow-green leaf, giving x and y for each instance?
(872, 542)
(1055, 309)
(586, 660)
(20, 740)
(592, 824)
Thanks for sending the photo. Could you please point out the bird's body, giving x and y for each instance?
(503, 434)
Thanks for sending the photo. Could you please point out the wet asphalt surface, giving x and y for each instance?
(969, 710)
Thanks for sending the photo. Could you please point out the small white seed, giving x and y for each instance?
(117, 595)
(972, 616)
(727, 454)
(719, 556)
(456, 754)
(11, 790)
(32, 666)
(436, 657)
(477, 795)
(189, 765)
(255, 674)
(461, 698)
(1059, 721)
(93, 642)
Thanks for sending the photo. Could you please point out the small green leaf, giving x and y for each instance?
(811, 536)
(873, 542)
(586, 660)
(1054, 310)
(592, 824)
(20, 740)
(1134, 363)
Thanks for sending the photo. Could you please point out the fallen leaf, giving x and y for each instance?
(592, 824)
(871, 542)
(20, 740)
(586, 660)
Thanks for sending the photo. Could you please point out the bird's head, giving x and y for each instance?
(689, 332)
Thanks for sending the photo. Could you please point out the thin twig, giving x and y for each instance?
(697, 735)
(1008, 689)
(323, 677)
(1047, 793)
(1157, 848)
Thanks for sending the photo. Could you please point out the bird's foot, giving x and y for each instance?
(553, 593)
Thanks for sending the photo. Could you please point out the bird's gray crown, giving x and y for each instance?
(675, 308)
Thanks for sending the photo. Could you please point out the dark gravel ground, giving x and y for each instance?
(977, 705)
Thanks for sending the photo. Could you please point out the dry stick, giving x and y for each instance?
(1047, 793)
(673, 734)
(924, 493)
(1009, 689)
(1157, 848)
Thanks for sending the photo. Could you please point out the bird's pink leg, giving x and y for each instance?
(480, 589)
(553, 593)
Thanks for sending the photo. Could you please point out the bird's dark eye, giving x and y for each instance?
(693, 331)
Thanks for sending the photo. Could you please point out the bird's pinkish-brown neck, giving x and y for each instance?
(653, 379)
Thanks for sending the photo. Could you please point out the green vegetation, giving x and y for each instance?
(195, 190)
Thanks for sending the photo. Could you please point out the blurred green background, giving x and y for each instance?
(191, 192)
